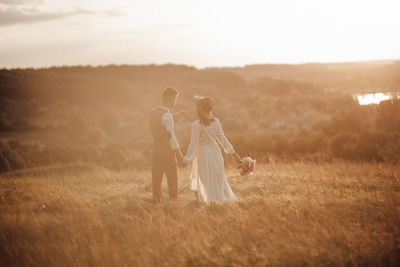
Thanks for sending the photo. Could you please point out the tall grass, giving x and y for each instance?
(288, 214)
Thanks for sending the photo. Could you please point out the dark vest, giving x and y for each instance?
(160, 134)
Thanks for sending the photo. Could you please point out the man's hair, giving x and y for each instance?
(169, 92)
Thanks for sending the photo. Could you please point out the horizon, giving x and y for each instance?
(40, 34)
(372, 61)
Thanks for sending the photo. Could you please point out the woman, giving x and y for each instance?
(208, 176)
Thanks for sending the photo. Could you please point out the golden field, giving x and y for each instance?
(296, 213)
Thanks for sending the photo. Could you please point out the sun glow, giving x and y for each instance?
(200, 33)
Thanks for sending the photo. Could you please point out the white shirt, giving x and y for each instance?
(168, 121)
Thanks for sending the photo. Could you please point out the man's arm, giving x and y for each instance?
(178, 114)
(168, 122)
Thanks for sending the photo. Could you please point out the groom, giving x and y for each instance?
(166, 149)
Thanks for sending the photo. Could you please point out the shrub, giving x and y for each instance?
(388, 115)
(16, 154)
(368, 144)
(390, 151)
(343, 145)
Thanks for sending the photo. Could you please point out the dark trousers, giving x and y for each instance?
(164, 161)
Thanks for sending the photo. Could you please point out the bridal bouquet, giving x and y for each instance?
(246, 166)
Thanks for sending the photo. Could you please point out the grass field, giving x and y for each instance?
(288, 214)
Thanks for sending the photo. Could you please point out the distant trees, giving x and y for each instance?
(388, 115)
(101, 113)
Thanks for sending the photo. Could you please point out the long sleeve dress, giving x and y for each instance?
(208, 176)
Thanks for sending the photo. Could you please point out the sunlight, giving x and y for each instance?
(199, 33)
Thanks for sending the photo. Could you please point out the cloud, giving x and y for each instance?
(20, 2)
(46, 53)
(12, 16)
(115, 12)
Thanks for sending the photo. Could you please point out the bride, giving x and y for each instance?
(208, 176)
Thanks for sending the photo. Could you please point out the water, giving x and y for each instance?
(375, 98)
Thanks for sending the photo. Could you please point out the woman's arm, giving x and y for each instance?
(236, 157)
(194, 144)
(223, 141)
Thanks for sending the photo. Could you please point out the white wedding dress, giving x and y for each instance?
(208, 176)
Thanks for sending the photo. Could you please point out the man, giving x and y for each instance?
(166, 149)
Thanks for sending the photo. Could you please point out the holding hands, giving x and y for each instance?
(180, 159)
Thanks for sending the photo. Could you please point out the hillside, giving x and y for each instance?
(84, 113)
(351, 77)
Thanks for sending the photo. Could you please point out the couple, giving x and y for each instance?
(208, 177)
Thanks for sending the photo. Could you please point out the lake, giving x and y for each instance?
(375, 98)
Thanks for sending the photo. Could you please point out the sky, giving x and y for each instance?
(206, 33)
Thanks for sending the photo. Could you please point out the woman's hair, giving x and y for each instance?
(205, 105)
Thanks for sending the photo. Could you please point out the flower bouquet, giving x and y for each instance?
(246, 166)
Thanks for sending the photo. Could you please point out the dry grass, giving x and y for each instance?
(289, 214)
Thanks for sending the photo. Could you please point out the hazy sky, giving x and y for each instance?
(198, 33)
